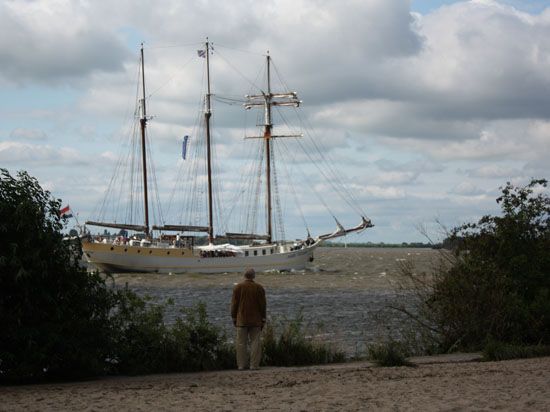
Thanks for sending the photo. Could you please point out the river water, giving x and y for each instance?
(343, 299)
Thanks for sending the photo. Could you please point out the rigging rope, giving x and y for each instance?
(237, 71)
(280, 146)
(347, 195)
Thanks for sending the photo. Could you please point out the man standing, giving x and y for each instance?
(248, 309)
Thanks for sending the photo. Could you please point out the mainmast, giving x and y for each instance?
(207, 115)
(143, 124)
(267, 139)
(267, 100)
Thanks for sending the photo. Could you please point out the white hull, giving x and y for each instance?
(124, 258)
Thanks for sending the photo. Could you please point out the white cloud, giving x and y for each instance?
(493, 171)
(21, 133)
(467, 189)
(397, 178)
(379, 192)
(514, 140)
(19, 153)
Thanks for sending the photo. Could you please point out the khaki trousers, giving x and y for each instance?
(249, 335)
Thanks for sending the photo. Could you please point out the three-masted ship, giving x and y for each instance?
(176, 248)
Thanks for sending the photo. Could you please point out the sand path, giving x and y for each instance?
(438, 383)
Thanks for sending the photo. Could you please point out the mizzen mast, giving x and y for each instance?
(267, 100)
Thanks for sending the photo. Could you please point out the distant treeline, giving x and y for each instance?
(382, 244)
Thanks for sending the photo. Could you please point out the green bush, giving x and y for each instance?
(59, 322)
(202, 345)
(495, 284)
(144, 344)
(391, 353)
(53, 315)
(292, 348)
(497, 351)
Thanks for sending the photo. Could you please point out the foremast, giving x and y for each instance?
(143, 126)
(267, 100)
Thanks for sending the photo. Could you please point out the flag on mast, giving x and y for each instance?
(66, 212)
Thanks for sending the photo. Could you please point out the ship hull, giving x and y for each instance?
(124, 258)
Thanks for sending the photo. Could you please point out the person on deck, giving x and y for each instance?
(248, 310)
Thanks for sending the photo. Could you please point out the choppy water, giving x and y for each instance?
(343, 299)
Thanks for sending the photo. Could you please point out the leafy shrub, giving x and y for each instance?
(391, 353)
(202, 345)
(495, 284)
(53, 315)
(292, 348)
(145, 344)
(140, 338)
(497, 351)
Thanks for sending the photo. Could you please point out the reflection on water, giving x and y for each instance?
(345, 293)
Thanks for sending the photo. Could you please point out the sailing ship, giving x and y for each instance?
(176, 248)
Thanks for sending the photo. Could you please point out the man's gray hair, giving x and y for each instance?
(250, 273)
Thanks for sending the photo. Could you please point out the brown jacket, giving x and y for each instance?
(248, 304)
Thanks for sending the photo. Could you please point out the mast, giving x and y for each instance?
(267, 100)
(267, 139)
(207, 115)
(143, 124)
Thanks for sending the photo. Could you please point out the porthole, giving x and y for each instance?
(150, 251)
(255, 253)
(112, 248)
(126, 250)
(168, 252)
(139, 251)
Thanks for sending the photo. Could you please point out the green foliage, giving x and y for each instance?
(292, 347)
(203, 345)
(140, 337)
(59, 322)
(391, 353)
(497, 351)
(53, 315)
(144, 344)
(496, 283)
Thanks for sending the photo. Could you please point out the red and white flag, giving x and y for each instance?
(65, 212)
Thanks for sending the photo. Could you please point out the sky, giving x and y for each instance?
(424, 108)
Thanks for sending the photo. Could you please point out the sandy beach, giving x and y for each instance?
(452, 382)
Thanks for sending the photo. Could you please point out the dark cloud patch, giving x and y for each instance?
(44, 46)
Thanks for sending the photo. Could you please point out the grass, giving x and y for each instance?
(391, 353)
(498, 351)
(292, 346)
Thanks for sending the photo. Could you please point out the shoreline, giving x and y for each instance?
(456, 381)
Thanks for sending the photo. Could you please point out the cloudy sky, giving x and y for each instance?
(425, 106)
